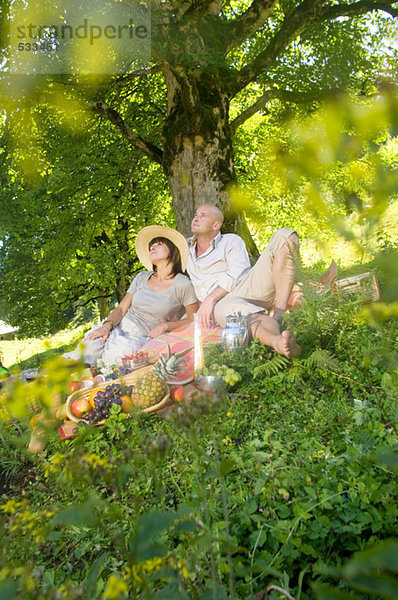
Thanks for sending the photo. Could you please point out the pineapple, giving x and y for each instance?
(152, 387)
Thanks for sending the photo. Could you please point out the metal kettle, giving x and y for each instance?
(235, 333)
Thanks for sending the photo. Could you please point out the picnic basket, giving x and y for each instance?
(365, 283)
(129, 379)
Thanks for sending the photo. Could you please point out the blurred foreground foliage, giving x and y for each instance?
(331, 174)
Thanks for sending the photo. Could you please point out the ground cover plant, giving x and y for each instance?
(273, 487)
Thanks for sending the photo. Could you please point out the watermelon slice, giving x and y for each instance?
(185, 374)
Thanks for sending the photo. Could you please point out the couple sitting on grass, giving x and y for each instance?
(220, 282)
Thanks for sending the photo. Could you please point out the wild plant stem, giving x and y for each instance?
(264, 594)
(227, 538)
(252, 559)
(206, 513)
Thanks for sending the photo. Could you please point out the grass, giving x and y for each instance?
(31, 353)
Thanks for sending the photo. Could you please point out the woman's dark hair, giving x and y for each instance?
(174, 255)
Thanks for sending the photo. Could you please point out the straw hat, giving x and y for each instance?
(147, 234)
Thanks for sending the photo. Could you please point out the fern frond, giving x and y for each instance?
(271, 367)
(297, 371)
(321, 359)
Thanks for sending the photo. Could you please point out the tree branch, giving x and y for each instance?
(273, 94)
(357, 8)
(194, 9)
(137, 73)
(300, 20)
(199, 7)
(135, 140)
(248, 23)
(293, 25)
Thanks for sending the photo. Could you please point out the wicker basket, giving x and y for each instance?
(129, 379)
(365, 283)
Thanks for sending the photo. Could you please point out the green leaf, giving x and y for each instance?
(149, 526)
(386, 382)
(383, 555)
(123, 475)
(219, 592)
(187, 525)
(258, 486)
(381, 584)
(226, 466)
(79, 516)
(170, 592)
(90, 587)
(9, 590)
(326, 592)
(389, 460)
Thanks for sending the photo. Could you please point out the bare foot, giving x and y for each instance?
(38, 441)
(287, 345)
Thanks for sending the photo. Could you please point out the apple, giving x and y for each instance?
(80, 407)
(177, 393)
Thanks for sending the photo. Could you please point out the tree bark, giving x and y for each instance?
(104, 304)
(198, 155)
(126, 262)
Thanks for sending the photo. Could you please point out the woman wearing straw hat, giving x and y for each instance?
(153, 304)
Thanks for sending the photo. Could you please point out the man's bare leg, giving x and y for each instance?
(267, 331)
(283, 273)
(266, 328)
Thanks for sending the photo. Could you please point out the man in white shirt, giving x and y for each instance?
(219, 268)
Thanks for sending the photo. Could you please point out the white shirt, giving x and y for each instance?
(224, 264)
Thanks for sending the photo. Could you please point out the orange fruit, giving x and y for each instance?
(86, 381)
(74, 385)
(177, 393)
(127, 403)
(91, 398)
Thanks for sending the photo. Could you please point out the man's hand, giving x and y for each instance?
(101, 332)
(205, 313)
(158, 330)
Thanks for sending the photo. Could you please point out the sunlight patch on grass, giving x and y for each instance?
(32, 352)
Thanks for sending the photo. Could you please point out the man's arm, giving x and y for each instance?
(205, 311)
(237, 267)
(238, 264)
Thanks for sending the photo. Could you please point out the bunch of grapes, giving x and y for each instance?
(103, 401)
(229, 375)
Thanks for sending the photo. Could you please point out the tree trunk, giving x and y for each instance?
(126, 262)
(104, 304)
(198, 154)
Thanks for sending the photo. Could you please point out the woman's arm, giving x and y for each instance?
(113, 319)
(171, 325)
